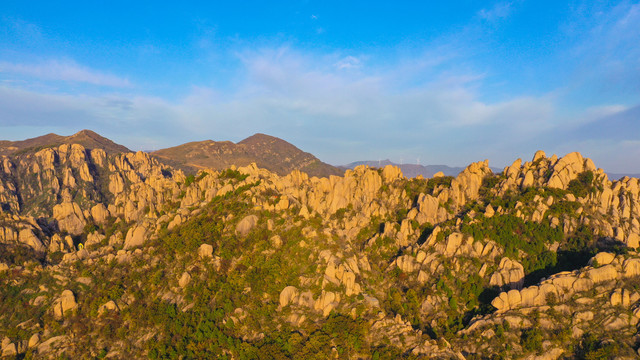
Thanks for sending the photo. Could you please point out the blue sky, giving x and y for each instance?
(448, 83)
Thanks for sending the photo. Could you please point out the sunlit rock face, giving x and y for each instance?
(539, 259)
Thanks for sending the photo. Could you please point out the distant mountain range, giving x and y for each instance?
(427, 171)
(269, 152)
(413, 170)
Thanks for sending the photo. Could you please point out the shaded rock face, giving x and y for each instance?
(510, 273)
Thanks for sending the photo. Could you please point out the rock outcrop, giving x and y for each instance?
(64, 304)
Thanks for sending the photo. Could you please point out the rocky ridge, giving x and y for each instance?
(441, 267)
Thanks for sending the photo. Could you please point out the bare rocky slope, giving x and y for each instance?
(117, 255)
(268, 152)
(86, 138)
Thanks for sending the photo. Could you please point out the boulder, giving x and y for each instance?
(69, 217)
(100, 214)
(619, 297)
(602, 274)
(64, 304)
(34, 340)
(10, 350)
(565, 170)
(287, 295)
(390, 173)
(27, 236)
(48, 345)
(94, 238)
(631, 267)
(136, 236)
(407, 263)
(633, 240)
(175, 222)
(453, 243)
(107, 307)
(205, 251)
(185, 279)
(602, 258)
(246, 225)
(528, 180)
(489, 212)
(529, 296)
(501, 302)
(510, 273)
(582, 284)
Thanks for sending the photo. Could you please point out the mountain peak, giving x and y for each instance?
(87, 138)
(266, 151)
(85, 132)
(260, 138)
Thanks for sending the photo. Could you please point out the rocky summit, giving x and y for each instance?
(107, 254)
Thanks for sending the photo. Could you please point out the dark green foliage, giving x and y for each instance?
(190, 179)
(592, 348)
(582, 185)
(202, 333)
(434, 183)
(340, 214)
(208, 226)
(415, 187)
(564, 208)
(233, 175)
(19, 253)
(488, 184)
(531, 340)
(516, 235)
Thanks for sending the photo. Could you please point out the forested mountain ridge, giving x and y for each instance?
(121, 256)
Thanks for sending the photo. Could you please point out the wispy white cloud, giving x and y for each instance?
(597, 112)
(307, 100)
(500, 10)
(349, 62)
(63, 71)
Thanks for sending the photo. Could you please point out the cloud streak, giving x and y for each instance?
(63, 71)
(301, 99)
